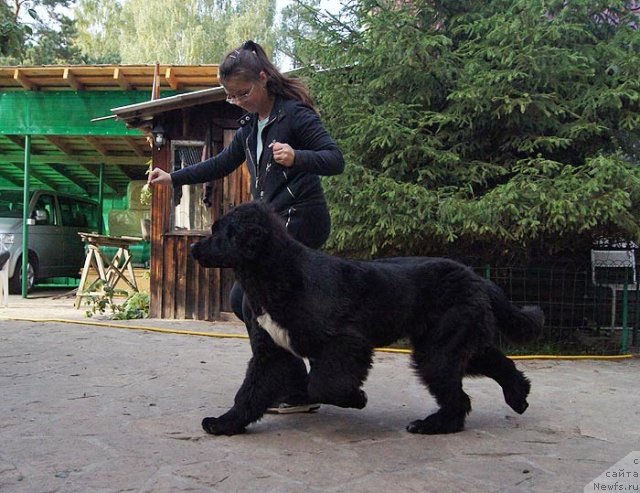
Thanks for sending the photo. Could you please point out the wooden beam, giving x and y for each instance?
(155, 85)
(19, 141)
(72, 80)
(24, 81)
(100, 77)
(16, 181)
(56, 141)
(109, 160)
(118, 188)
(106, 181)
(35, 175)
(121, 79)
(131, 142)
(98, 145)
(226, 123)
(64, 172)
(173, 81)
(123, 174)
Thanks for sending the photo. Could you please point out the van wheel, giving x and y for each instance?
(15, 283)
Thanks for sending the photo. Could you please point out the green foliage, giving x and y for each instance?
(55, 44)
(506, 127)
(135, 306)
(131, 31)
(146, 193)
(37, 32)
(12, 32)
(172, 31)
(99, 26)
(293, 26)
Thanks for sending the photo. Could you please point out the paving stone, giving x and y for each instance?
(101, 409)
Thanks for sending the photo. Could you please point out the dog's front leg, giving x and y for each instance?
(271, 371)
(250, 402)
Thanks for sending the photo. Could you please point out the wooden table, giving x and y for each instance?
(109, 272)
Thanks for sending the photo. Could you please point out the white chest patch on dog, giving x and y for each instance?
(279, 335)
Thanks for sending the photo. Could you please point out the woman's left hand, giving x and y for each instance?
(283, 154)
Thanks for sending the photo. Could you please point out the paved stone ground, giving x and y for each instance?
(99, 409)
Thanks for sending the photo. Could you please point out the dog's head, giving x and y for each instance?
(237, 238)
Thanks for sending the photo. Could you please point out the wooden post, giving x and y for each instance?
(160, 216)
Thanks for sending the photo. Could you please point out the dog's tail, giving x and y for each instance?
(517, 324)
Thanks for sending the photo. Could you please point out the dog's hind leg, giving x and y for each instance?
(439, 360)
(443, 378)
(338, 373)
(492, 363)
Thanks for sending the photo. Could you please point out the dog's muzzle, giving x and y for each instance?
(195, 250)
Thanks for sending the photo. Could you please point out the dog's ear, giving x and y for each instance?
(248, 239)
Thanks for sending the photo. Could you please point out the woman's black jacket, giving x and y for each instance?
(291, 122)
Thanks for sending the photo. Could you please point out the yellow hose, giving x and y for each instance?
(134, 327)
(532, 356)
(573, 357)
(219, 335)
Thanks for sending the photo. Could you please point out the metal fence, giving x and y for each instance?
(592, 306)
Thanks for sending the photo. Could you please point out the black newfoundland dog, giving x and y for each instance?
(334, 311)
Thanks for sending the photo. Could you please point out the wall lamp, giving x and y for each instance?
(159, 137)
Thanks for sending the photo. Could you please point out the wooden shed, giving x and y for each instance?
(55, 135)
(187, 128)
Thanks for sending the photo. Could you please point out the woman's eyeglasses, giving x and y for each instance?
(235, 98)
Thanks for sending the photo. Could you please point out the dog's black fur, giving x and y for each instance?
(335, 311)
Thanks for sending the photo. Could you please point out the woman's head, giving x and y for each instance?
(249, 66)
(245, 62)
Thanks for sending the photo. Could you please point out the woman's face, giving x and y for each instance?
(247, 94)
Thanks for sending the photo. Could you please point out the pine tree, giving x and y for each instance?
(485, 128)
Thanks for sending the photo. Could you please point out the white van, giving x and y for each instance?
(55, 219)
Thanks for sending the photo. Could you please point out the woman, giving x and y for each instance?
(286, 149)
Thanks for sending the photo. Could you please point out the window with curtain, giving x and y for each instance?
(189, 212)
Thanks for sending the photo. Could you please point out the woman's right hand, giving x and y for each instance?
(159, 176)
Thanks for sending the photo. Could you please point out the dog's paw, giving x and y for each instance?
(361, 400)
(516, 395)
(516, 402)
(356, 400)
(216, 426)
(436, 424)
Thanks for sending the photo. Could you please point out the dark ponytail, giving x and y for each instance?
(249, 60)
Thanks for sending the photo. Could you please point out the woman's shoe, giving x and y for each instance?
(284, 408)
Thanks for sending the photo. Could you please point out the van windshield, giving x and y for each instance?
(11, 203)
